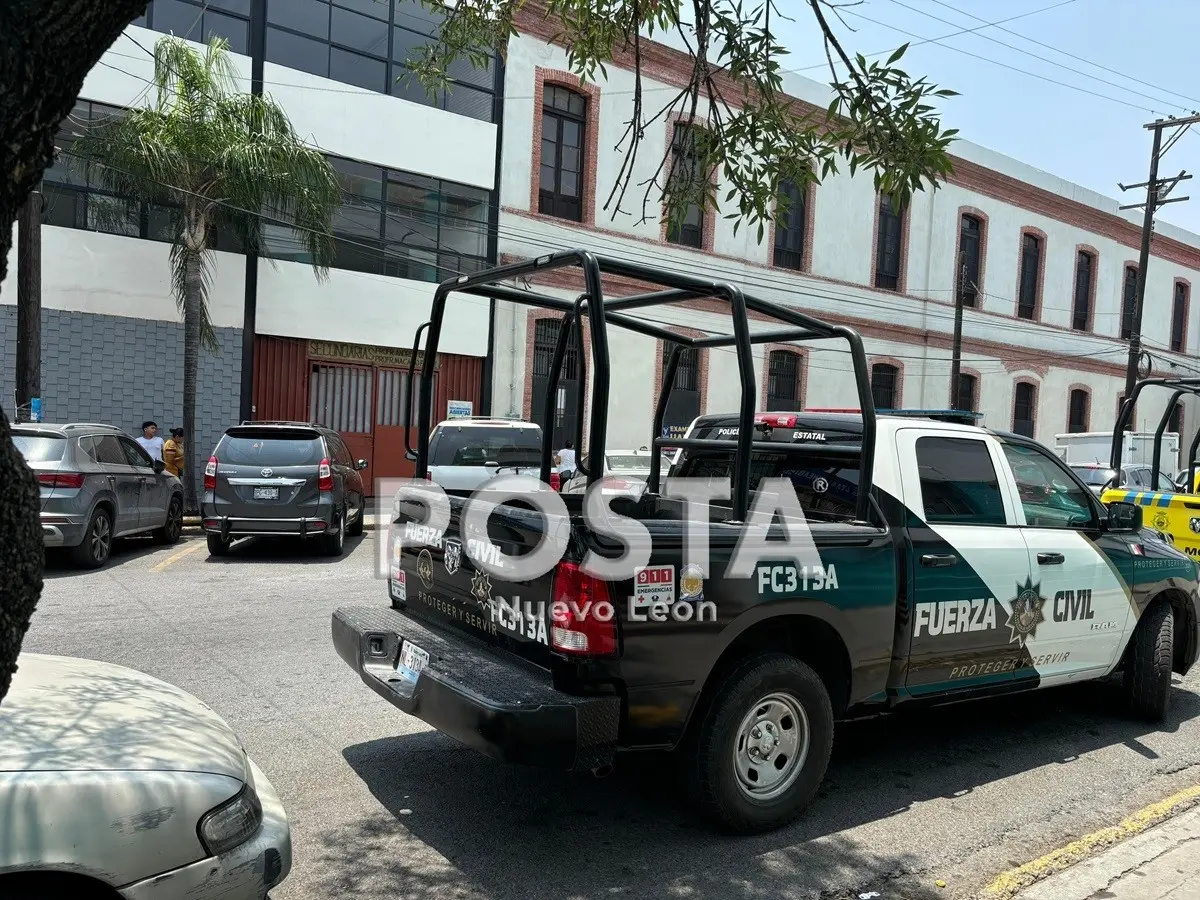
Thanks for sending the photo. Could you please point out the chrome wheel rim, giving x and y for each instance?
(771, 747)
(174, 520)
(100, 537)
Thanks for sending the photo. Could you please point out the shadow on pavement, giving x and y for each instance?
(517, 832)
(124, 551)
(274, 550)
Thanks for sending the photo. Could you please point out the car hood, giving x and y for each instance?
(65, 714)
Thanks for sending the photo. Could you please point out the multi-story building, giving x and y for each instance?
(1046, 268)
(418, 174)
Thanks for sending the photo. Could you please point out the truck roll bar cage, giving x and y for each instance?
(1182, 386)
(600, 312)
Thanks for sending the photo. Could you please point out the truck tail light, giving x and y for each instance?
(61, 479)
(583, 618)
(210, 474)
(324, 476)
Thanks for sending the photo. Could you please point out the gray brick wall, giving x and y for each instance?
(123, 370)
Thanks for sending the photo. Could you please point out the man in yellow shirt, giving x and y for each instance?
(173, 453)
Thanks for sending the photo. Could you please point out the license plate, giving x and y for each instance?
(266, 493)
(412, 660)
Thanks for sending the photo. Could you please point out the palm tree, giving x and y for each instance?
(211, 156)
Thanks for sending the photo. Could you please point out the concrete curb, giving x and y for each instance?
(1085, 856)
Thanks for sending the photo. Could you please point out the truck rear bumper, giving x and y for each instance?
(491, 702)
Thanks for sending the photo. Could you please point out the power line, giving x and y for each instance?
(1036, 56)
(938, 41)
(1025, 37)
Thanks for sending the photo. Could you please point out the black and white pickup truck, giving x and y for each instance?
(955, 562)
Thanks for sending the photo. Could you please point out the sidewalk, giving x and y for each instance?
(1162, 863)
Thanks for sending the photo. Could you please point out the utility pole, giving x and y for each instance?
(29, 310)
(258, 52)
(1157, 190)
(956, 353)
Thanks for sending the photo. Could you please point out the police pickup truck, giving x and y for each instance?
(982, 566)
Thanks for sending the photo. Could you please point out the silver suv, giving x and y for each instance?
(97, 484)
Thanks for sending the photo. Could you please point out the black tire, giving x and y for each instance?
(173, 529)
(356, 529)
(217, 546)
(1147, 674)
(714, 756)
(95, 548)
(335, 539)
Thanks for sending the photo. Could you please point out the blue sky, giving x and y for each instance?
(1089, 140)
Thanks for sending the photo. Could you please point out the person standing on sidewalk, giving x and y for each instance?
(173, 453)
(566, 462)
(150, 440)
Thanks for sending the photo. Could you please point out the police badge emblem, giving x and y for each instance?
(453, 557)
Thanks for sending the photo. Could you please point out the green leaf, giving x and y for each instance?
(899, 53)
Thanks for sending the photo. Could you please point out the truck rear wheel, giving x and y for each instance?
(762, 745)
(1147, 673)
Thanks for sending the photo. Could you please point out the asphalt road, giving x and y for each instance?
(382, 807)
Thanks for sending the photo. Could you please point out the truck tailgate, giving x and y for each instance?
(478, 694)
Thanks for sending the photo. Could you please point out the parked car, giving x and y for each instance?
(464, 453)
(116, 784)
(98, 484)
(282, 479)
(1134, 476)
(625, 472)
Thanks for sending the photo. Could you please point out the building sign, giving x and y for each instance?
(460, 409)
(399, 357)
(674, 431)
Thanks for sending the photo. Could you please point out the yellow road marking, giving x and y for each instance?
(1007, 884)
(178, 555)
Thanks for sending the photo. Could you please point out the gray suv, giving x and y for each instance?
(282, 479)
(97, 484)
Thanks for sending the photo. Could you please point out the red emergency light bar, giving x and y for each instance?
(775, 420)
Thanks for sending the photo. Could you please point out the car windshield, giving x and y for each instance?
(39, 447)
(269, 450)
(1093, 474)
(465, 446)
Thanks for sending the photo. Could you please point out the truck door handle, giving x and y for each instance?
(939, 560)
(1050, 559)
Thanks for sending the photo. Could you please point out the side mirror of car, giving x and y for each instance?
(491, 464)
(159, 466)
(361, 464)
(1124, 517)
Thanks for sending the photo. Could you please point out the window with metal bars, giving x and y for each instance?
(789, 228)
(686, 178)
(564, 118)
(969, 258)
(545, 337)
(783, 381)
(1175, 423)
(965, 395)
(1024, 408)
(885, 379)
(1081, 310)
(1077, 416)
(687, 374)
(1128, 302)
(1179, 312)
(1031, 262)
(889, 249)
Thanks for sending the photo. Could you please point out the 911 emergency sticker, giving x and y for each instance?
(397, 587)
(653, 586)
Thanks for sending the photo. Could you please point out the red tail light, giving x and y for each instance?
(619, 484)
(584, 620)
(555, 481)
(210, 474)
(776, 420)
(324, 476)
(61, 479)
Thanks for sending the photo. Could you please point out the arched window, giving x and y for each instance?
(967, 394)
(1077, 416)
(566, 412)
(1024, 408)
(969, 258)
(885, 384)
(564, 118)
(783, 381)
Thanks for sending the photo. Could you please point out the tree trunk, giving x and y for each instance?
(192, 311)
(49, 47)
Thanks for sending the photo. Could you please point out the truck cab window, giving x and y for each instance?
(958, 482)
(1050, 498)
(826, 487)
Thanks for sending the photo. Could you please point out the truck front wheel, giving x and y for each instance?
(762, 744)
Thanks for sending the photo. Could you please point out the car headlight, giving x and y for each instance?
(232, 823)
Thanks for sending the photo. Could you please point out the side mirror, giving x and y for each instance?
(1124, 517)
(491, 464)
(159, 466)
(361, 464)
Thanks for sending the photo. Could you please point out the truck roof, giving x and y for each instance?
(821, 427)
